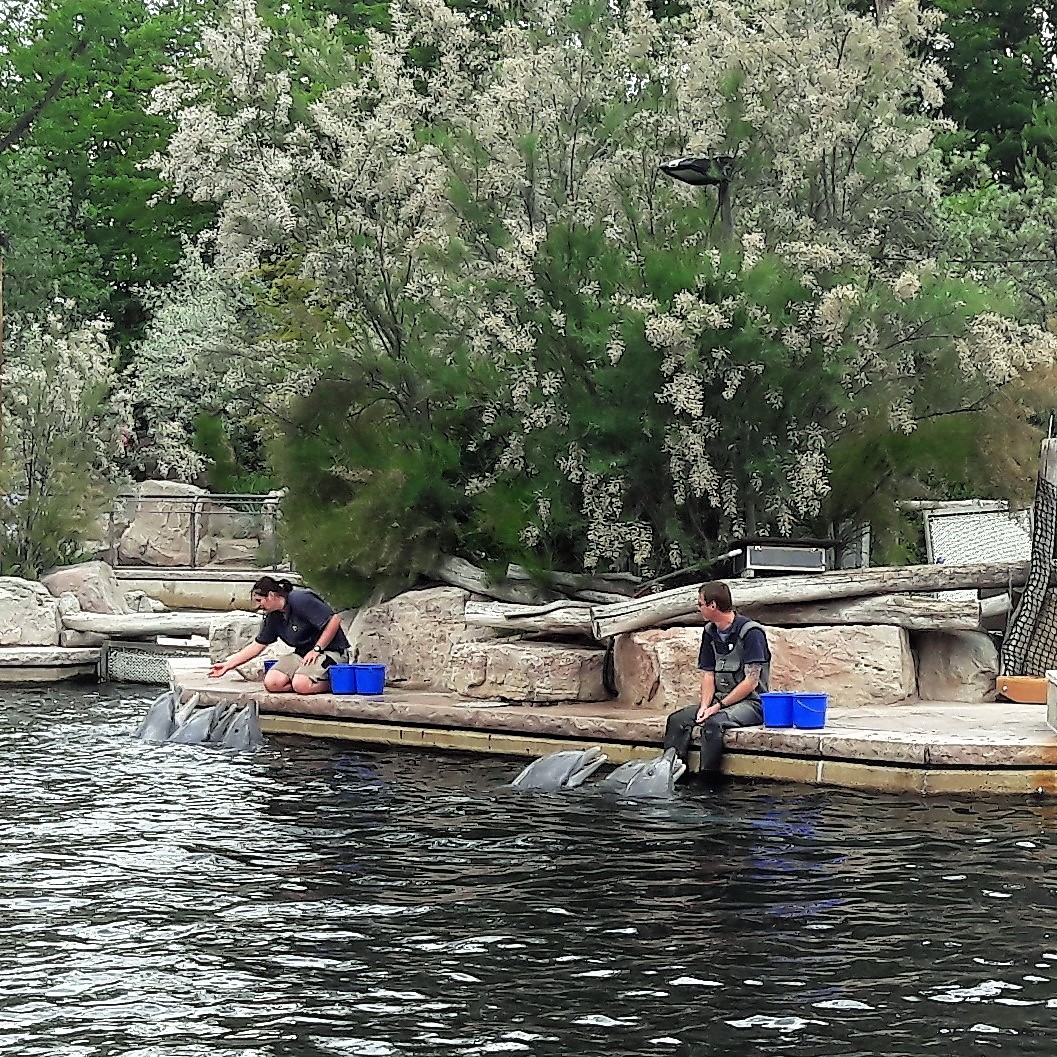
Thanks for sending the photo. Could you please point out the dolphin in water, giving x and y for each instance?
(223, 716)
(196, 729)
(244, 732)
(617, 780)
(160, 721)
(657, 777)
(560, 770)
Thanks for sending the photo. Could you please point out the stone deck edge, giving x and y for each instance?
(884, 777)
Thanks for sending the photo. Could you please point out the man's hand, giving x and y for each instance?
(706, 711)
(218, 670)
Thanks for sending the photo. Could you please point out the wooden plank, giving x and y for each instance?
(1024, 689)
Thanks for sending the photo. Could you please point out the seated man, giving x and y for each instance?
(735, 664)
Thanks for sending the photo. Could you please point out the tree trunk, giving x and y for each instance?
(558, 618)
(461, 573)
(913, 612)
(680, 602)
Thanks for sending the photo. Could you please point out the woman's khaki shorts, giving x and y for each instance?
(290, 664)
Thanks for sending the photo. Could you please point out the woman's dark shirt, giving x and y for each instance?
(301, 623)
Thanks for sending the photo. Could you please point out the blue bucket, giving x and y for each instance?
(342, 678)
(777, 709)
(268, 666)
(809, 710)
(370, 678)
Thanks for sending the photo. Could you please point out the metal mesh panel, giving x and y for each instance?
(141, 662)
(1030, 645)
(984, 536)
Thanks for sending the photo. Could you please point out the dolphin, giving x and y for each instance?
(223, 716)
(185, 711)
(658, 777)
(560, 770)
(160, 720)
(196, 729)
(617, 781)
(244, 732)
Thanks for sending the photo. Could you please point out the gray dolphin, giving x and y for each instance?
(160, 720)
(617, 781)
(196, 729)
(223, 717)
(560, 770)
(185, 711)
(244, 732)
(658, 777)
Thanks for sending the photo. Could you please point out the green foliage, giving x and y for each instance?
(1002, 63)
(48, 255)
(374, 498)
(58, 434)
(75, 81)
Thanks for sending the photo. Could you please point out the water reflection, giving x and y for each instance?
(317, 899)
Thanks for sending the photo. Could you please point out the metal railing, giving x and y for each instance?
(194, 531)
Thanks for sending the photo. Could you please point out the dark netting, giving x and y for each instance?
(1030, 645)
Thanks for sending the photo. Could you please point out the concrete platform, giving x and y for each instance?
(920, 747)
(46, 664)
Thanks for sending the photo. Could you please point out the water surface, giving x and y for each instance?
(314, 899)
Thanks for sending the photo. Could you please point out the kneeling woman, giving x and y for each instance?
(303, 620)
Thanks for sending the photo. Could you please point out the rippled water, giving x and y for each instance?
(317, 899)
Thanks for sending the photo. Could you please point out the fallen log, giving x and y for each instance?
(913, 612)
(559, 618)
(139, 625)
(681, 602)
(460, 573)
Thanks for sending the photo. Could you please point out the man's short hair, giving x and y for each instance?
(716, 592)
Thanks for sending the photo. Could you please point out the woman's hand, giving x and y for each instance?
(219, 669)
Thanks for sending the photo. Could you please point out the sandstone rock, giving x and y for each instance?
(229, 632)
(658, 668)
(855, 664)
(956, 665)
(29, 614)
(218, 550)
(94, 583)
(141, 602)
(413, 635)
(68, 604)
(80, 639)
(160, 519)
(538, 672)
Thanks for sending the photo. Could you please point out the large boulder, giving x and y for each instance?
(855, 664)
(537, 672)
(160, 518)
(93, 584)
(29, 614)
(413, 635)
(658, 668)
(956, 665)
(229, 632)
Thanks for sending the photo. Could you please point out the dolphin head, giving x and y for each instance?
(560, 770)
(657, 777)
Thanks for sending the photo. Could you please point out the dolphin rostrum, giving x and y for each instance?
(244, 732)
(560, 770)
(196, 729)
(160, 720)
(658, 777)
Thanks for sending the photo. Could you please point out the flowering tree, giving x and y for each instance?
(566, 354)
(62, 437)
